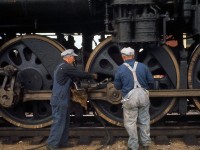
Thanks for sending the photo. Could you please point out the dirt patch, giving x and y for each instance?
(119, 144)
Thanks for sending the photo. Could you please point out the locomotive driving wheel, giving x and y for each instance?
(105, 59)
(194, 74)
(35, 58)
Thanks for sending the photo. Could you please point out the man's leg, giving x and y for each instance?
(144, 125)
(58, 126)
(130, 118)
(65, 135)
(53, 127)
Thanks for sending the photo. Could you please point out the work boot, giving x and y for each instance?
(48, 147)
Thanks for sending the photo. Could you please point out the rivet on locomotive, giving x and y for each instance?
(154, 28)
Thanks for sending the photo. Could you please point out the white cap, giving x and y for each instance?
(127, 51)
(68, 52)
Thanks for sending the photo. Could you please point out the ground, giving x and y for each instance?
(120, 144)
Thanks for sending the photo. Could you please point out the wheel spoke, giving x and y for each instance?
(105, 64)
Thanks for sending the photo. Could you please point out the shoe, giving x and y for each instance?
(48, 147)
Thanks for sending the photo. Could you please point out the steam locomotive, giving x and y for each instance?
(164, 33)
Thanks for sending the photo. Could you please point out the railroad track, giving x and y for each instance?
(170, 125)
(84, 135)
(100, 131)
(187, 127)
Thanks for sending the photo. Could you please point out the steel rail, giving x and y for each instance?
(100, 131)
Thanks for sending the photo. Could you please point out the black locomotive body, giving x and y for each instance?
(164, 33)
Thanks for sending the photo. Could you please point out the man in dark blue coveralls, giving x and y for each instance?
(64, 74)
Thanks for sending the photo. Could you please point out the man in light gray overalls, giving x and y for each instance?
(133, 79)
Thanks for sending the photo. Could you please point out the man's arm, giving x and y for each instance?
(150, 80)
(117, 81)
(73, 72)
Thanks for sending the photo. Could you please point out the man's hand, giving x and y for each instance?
(95, 75)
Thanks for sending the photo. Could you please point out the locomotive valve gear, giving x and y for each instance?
(85, 84)
(7, 88)
(113, 95)
(90, 84)
(103, 90)
(8, 70)
(7, 92)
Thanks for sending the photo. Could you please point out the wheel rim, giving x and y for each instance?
(98, 62)
(194, 74)
(35, 57)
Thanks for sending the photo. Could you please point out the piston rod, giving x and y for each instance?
(45, 95)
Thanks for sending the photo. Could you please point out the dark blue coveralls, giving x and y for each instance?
(64, 74)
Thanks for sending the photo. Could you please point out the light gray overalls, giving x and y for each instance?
(136, 112)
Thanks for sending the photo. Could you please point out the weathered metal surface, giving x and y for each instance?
(7, 93)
